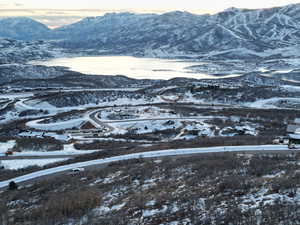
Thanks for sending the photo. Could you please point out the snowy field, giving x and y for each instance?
(4, 146)
(274, 103)
(37, 124)
(23, 163)
(68, 150)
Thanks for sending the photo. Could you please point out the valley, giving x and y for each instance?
(54, 120)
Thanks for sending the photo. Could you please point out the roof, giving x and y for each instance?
(293, 128)
(294, 136)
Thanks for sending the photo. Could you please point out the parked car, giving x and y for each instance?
(9, 152)
(76, 171)
(293, 146)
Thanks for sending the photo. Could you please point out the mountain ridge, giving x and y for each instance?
(22, 28)
(175, 33)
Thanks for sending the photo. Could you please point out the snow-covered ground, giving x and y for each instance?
(152, 125)
(152, 154)
(26, 104)
(68, 150)
(4, 146)
(246, 129)
(16, 96)
(63, 125)
(40, 134)
(23, 163)
(143, 127)
(4, 105)
(290, 88)
(264, 197)
(96, 89)
(272, 103)
(138, 112)
(37, 105)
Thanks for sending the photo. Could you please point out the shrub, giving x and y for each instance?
(12, 186)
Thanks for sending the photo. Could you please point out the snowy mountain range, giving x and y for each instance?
(232, 33)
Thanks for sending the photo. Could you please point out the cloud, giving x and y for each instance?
(18, 4)
(9, 4)
(50, 18)
(56, 21)
(4, 5)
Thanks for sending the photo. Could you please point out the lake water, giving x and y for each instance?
(139, 68)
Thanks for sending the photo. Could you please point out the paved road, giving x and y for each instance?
(152, 154)
(2, 107)
(94, 118)
(162, 118)
(92, 89)
(96, 121)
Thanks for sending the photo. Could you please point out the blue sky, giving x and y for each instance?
(58, 12)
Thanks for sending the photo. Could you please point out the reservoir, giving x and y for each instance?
(133, 67)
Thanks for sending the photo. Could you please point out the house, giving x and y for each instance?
(293, 132)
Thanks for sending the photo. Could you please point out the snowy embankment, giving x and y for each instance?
(4, 146)
(3, 106)
(51, 153)
(23, 163)
(152, 154)
(290, 88)
(15, 96)
(121, 101)
(272, 103)
(63, 125)
(68, 150)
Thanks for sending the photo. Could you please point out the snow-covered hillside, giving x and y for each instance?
(233, 33)
(13, 51)
(22, 28)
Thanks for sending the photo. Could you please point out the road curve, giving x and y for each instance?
(152, 154)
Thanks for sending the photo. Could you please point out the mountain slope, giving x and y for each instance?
(12, 51)
(22, 28)
(183, 33)
(233, 33)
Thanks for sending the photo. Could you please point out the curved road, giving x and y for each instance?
(162, 119)
(152, 154)
(98, 123)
